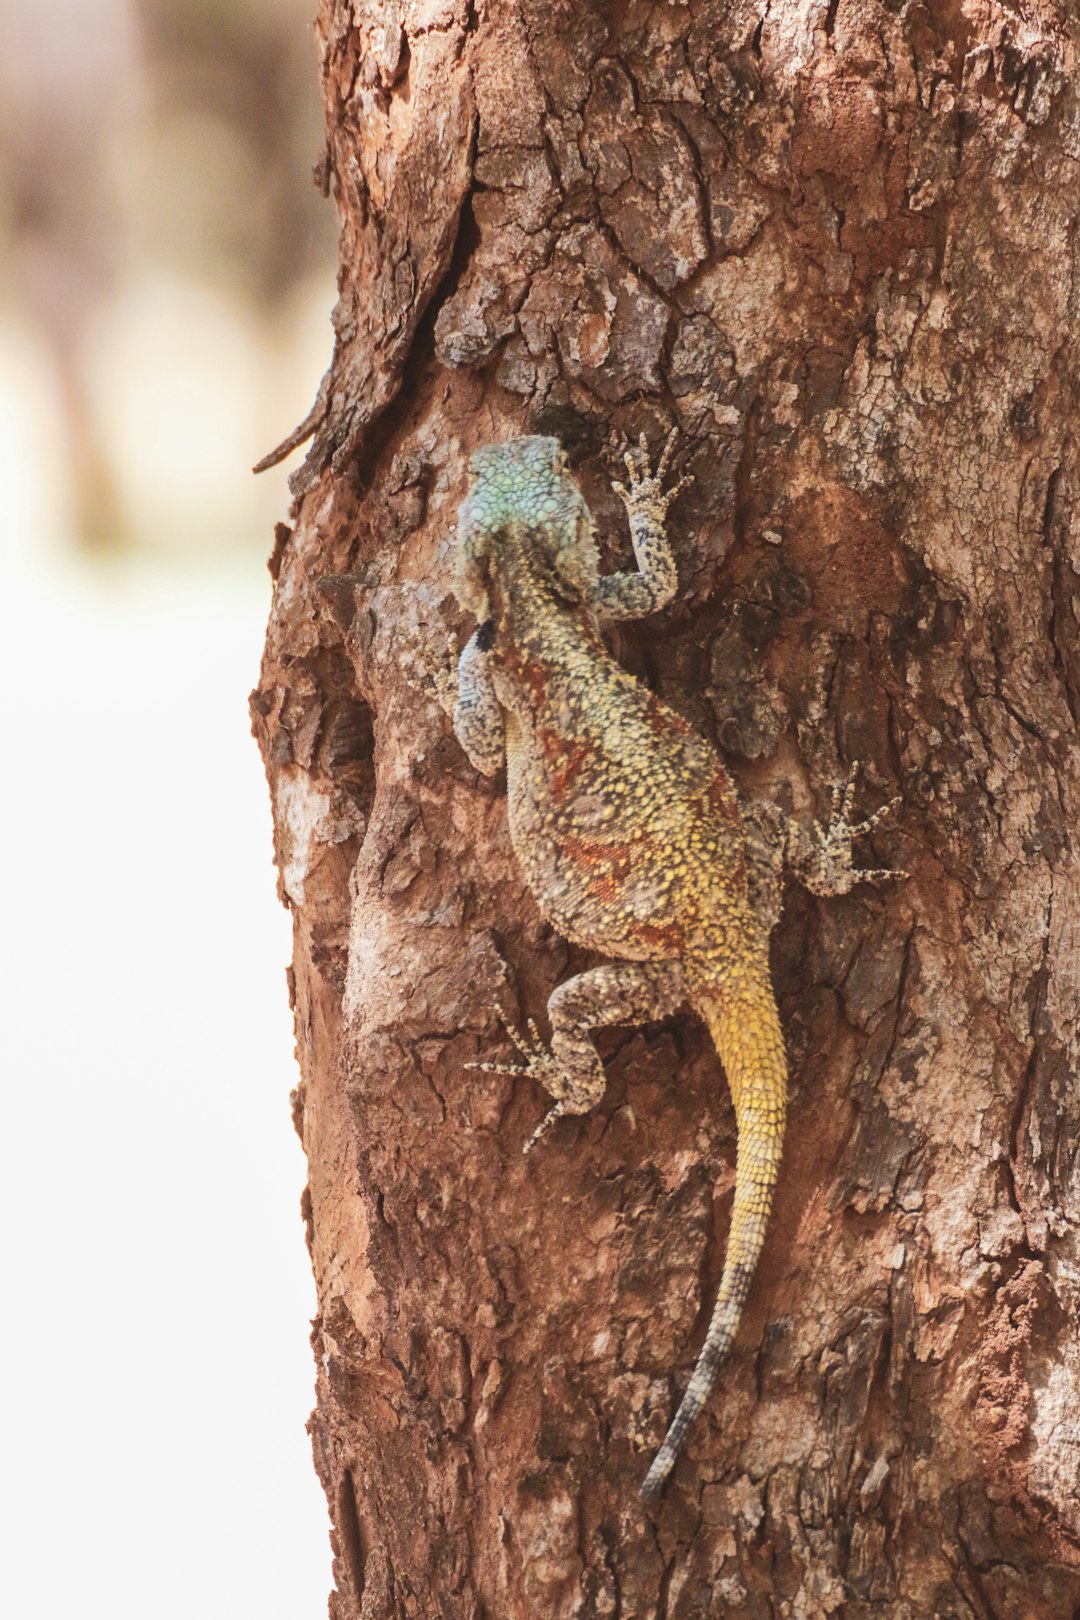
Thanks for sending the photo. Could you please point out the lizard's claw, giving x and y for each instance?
(528, 1046)
(536, 1059)
(556, 1111)
(645, 488)
(537, 1063)
(833, 860)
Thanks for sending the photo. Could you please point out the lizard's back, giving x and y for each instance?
(623, 818)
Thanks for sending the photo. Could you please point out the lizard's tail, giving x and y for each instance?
(743, 1022)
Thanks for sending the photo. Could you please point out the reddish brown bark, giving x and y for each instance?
(835, 244)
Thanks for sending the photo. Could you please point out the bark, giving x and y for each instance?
(835, 243)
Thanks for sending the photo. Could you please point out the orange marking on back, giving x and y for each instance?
(575, 755)
(531, 675)
(551, 744)
(666, 934)
(606, 889)
(586, 852)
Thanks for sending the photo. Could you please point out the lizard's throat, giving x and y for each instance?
(530, 610)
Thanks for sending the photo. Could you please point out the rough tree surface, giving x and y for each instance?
(835, 242)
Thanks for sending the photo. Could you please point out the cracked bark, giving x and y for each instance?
(835, 243)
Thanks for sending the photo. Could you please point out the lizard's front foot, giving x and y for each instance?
(826, 856)
(645, 492)
(573, 1094)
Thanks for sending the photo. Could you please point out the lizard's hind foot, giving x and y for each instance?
(576, 1086)
(823, 858)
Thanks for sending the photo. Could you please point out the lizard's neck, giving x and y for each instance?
(533, 616)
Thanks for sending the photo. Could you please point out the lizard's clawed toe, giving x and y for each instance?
(545, 1125)
(833, 860)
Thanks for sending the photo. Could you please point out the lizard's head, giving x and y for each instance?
(523, 502)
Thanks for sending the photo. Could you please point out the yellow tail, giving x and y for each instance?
(743, 1023)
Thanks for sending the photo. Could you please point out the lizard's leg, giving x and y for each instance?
(628, 596)
(821, 857)
(570, 1068)
(467, 696)
(477, 715)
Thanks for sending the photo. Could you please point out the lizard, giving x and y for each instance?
(627, 828)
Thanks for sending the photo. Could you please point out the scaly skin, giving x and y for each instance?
(626, 825)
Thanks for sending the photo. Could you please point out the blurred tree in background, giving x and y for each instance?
(161, 253)
(166, 277)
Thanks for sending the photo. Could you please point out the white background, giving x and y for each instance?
(154, 1362)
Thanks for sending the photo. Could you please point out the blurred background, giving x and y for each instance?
(167, 271)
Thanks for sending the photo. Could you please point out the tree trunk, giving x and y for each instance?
(835, 244)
